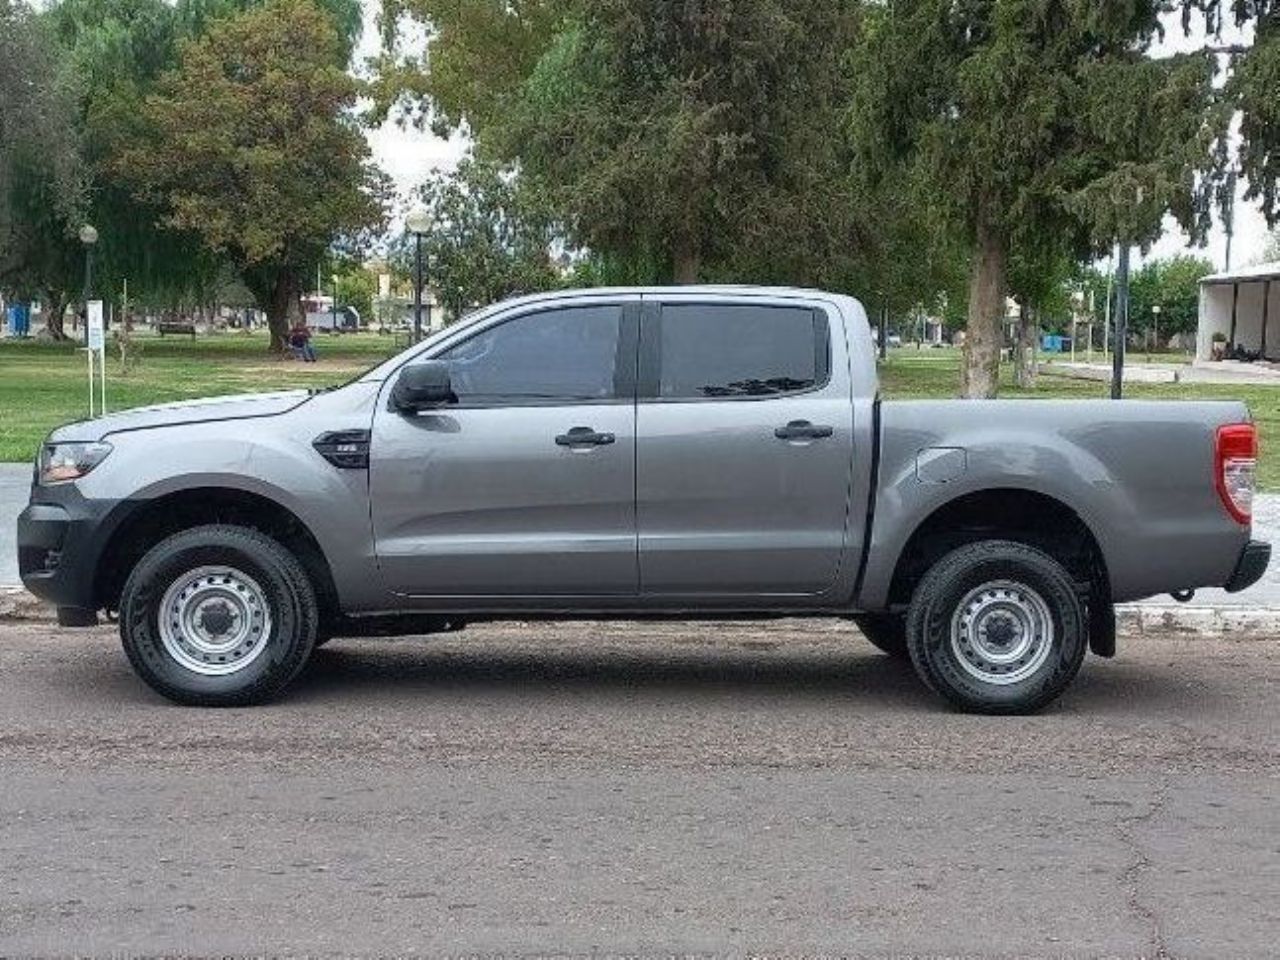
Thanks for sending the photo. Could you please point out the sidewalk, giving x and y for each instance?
(15, 481)
(15, 484)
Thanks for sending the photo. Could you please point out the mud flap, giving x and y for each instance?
(1102, 627)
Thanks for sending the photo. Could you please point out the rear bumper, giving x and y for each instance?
(1252, 564)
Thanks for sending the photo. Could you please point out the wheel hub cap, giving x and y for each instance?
(214, 620)
(1002, 632)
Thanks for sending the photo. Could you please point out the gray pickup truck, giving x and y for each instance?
(699, 452)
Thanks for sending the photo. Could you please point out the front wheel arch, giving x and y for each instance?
(151, 521)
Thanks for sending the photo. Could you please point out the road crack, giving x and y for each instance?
(1132, 876)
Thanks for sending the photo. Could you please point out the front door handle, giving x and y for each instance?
(803, 430)
(584, 437)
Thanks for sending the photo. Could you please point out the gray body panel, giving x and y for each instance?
(697, 506)
(725, 509)
(484, 503)
(1139, 474)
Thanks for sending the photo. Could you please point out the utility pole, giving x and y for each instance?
(1121, 317)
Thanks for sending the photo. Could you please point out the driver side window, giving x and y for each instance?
(566, 354)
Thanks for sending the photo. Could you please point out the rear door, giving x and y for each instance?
(744, 447)
(526, 487)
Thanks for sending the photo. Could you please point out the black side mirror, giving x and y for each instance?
(422, 385)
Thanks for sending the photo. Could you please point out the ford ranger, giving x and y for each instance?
(699, 452)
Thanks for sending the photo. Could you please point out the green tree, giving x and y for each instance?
(1271, 251)
(700, 135)
(356, 286)
(251, 146)
(489, 240)
(42, 176)
(1253, 88)
(120, 48)
(1173, 285)
(1031, 120)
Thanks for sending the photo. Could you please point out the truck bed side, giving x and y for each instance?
(1139, 475)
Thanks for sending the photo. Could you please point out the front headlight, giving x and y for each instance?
(60, 462)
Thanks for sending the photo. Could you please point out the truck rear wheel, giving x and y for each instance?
(218, 616)
(997, 627)
(884, 631)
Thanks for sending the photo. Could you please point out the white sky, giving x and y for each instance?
(409, 155)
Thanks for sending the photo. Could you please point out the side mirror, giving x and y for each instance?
(422, 385)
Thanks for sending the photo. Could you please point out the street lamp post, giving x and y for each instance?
(88, 237)
(333, 305)
(418, 222)
(1155, 324)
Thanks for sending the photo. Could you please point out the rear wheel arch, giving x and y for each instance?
(1011, 513)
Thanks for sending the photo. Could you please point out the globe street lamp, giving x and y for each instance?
(1155, 322)
(418, 222)
(89, 237)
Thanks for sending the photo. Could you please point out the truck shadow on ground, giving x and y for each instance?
(360, 669)
(351, 667)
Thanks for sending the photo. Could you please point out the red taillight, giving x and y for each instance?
(1235, 468)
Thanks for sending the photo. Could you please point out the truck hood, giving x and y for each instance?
(234, 407)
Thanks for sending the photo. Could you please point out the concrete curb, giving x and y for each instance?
(1167, 619)
(1135, 619)
(17, 604)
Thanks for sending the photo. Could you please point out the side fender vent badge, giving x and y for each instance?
(345, 449)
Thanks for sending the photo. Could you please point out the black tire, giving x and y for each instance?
(282, 612)
(886, 632)
(1031, 584)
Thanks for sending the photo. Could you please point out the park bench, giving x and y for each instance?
(177, 326)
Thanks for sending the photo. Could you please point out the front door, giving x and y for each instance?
(525, 487)
(745, 449)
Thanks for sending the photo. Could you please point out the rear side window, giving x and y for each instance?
(566, 354)
(708, 351)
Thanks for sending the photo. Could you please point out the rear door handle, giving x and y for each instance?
(803, 430)
(584, 437)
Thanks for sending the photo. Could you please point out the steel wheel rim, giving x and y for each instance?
(214, 620)
(1002, 632)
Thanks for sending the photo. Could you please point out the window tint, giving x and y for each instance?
(562, 354)
(740, 351)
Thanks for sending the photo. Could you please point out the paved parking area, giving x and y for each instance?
(648, 789)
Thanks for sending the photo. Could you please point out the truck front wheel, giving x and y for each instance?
(997, 627)
(218, 616)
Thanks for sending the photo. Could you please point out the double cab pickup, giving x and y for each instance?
(698, 452)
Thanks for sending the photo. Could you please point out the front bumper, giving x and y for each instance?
(61, 537)
(1250, 567)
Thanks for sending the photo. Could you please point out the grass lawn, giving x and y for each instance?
(935, 374)
(43, 385)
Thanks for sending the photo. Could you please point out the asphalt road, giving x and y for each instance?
(651, 789)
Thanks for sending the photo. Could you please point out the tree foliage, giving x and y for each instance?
(695, 135)
(42, 176)
(1036, 125)
(489, 240)
(251, 146)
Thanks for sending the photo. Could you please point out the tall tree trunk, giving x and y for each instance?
(53, 306)
(980, 374)
(283, 307)
(686, 261)
(1024, 370)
